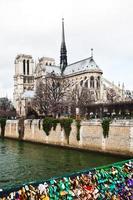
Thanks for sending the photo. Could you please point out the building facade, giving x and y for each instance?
(84, 73)
(23, 81)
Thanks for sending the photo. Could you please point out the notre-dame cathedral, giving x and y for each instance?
(84, 73)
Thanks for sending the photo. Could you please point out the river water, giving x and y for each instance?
(21, 162)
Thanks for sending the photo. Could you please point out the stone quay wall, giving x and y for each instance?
(119, 141)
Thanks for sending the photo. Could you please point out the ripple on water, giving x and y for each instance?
(22, 162)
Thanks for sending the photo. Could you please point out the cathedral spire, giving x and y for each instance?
(63, 34)
(63, 50)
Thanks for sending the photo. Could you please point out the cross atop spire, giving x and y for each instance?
(63, 51)
(92, 52)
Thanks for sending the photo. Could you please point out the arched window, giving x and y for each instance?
(91, 82)
(23, 66)
(98, 82)
(85, 77)
(53, 84)
(58, 84)
(27, 67)
(81, 82)
(86, 84)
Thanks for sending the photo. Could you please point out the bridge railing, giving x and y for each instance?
(105, 182)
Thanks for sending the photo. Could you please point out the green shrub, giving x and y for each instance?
(39, 124)
(47, 125)
(66, 124)
(105, 126)
(61, 121)
(54, 123)
(78, 125)
(2, 124)
(49, 122)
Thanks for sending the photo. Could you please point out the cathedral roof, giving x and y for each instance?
(48, 69)
(82, 66)
(52, 68)
(86, 65)
(46, 59)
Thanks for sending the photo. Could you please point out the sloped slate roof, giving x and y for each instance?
(52, 68)
(48, 69)
(87, 64)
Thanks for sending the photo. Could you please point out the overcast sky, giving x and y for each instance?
(34, 27)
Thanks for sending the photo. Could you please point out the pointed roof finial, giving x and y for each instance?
(92, 52)
(63, 34)
(63, 50)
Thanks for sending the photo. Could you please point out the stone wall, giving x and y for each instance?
(120, 140)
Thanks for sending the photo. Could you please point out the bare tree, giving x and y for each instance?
(39, 102)
(51, 95)
(6, 108)
(80, 97)
(112, 96)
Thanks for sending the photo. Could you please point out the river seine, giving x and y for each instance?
(21, 162)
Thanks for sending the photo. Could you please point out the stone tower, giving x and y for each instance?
(23, 81)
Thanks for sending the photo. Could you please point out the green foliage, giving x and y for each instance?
(49, 122)
(54, 123)
(105, 126)
(78, 125)
(30, 123)
(2, 124)
(39, 124)
(66, 124)
(47, 125)
(62, 122)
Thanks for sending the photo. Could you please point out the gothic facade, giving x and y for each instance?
(84, 73)
(23, 81)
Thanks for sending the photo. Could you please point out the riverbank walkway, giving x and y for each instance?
(112, 182)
